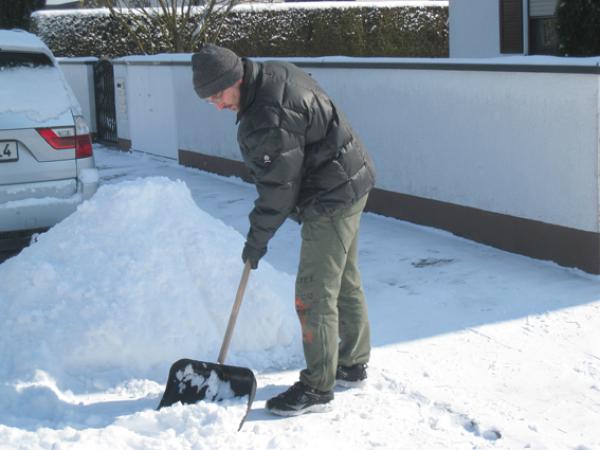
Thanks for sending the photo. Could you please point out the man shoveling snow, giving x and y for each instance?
(310, 165)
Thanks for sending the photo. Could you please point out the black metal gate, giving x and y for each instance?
(104, 91)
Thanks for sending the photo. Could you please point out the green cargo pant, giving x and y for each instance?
(330, 301)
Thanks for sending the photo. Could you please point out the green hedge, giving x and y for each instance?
(578, 27)
(342, 29)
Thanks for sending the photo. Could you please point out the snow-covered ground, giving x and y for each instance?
(473, 348)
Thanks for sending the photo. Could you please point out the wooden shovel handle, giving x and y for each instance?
(234, 313)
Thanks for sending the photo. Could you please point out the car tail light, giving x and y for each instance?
(62, 138)
(83, 141)
(59, 138)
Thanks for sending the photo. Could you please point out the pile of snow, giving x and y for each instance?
(135, 279)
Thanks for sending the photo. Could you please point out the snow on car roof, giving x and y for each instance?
(20, 40)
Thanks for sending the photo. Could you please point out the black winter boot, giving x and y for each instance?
(351, 376)
(300, 399)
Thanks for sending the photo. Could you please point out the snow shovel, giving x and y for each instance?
(191, 381)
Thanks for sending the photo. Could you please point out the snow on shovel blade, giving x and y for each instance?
(192, 381)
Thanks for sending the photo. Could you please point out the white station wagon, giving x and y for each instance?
(46, 159)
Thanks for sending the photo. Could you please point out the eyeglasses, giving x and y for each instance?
(214, 99)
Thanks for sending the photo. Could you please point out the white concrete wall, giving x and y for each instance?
(513, 142)
(151, 110)
(474, 28)
(122, 101)
(522, 144)
(80, 76)
(199, 126)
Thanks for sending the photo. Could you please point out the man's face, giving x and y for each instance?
(227, 98)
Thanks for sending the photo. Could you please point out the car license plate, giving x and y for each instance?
(9, 151)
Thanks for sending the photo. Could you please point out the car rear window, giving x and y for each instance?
(33, 91)
(10, 60)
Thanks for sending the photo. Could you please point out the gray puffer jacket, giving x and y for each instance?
(304, 156)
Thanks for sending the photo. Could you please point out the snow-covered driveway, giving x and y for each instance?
(473, 347)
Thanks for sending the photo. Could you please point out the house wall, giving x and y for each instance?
(474, 30)
(501, 151)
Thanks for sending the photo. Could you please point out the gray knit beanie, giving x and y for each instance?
(215, 68)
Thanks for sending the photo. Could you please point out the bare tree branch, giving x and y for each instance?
(173, 25)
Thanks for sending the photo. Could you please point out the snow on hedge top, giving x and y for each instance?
(135, 279)
(81, 11)
(257, 6)
(340, 4)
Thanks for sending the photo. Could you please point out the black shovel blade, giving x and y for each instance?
(191, 381)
